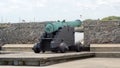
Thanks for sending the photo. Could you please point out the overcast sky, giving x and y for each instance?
(47, 10)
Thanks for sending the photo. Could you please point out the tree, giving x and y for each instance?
(87, 20)
(111, 18)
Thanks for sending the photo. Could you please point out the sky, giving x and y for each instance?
(51, 10)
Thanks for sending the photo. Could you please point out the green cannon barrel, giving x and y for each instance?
(51, 27)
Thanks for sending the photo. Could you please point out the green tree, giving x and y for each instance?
(87, 20)
(111, 18)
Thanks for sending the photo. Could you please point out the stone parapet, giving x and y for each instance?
(99, 32)
(20, 33)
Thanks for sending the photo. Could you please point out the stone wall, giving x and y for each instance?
(96, 32)
(20, 33)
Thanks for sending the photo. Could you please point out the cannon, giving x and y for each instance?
(58, 37)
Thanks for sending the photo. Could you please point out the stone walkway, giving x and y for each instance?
(40, 59)
(85, 63)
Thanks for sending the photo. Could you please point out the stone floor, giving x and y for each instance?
(36, 55)
(85, 63)
(40, 59)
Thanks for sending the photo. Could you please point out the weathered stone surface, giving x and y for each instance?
(107, 54)
(17, 47)
(105, 47)
(96, 32)
(32, 59)
(20, 32)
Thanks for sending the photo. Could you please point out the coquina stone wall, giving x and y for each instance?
(20, 33)
(98, 32)
(94, 32)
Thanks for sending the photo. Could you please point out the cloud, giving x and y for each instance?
(65, 4)
(52, 9)
(108, 1)
(20, 4)
(90, 4)
(41, 3)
